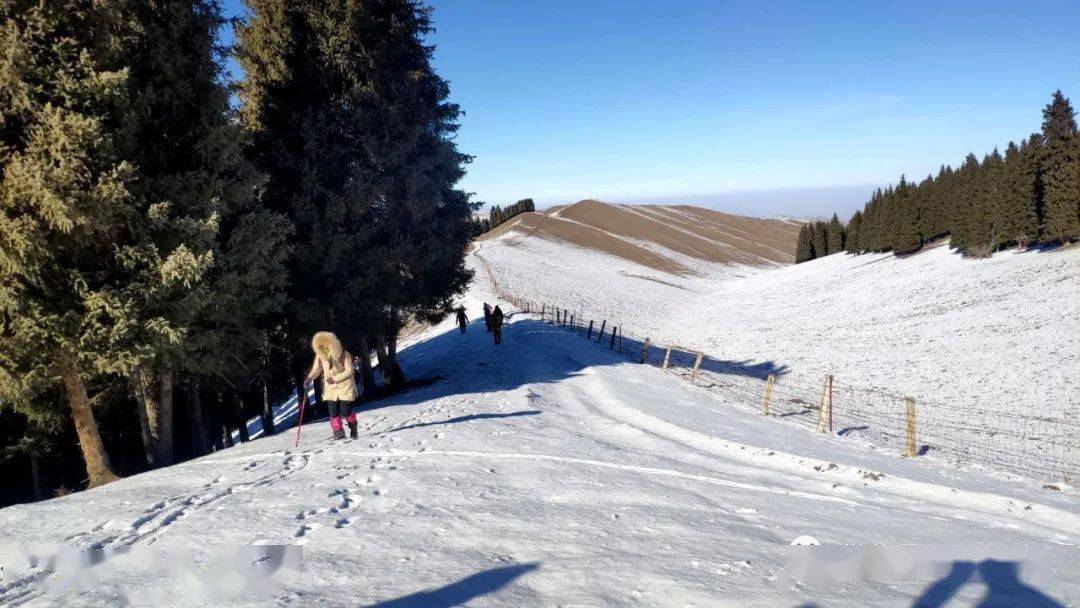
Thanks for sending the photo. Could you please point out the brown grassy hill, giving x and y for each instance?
(645, 234)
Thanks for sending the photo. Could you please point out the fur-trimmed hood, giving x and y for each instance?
(327, 345)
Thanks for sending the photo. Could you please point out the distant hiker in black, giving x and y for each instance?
(462, 320)
(487, 316)
(496, 324)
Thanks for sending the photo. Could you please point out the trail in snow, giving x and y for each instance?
(545, 472)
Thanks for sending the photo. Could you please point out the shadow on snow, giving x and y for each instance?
(461, 592)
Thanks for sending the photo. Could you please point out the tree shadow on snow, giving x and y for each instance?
(461, 592)
(532, 352)
(468, 418)
(1003, 586)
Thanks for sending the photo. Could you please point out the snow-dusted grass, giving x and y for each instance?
(982, 345)
(549, 471)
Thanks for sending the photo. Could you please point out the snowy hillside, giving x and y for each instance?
(550, 471)
(980, 344)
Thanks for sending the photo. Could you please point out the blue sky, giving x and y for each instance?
(699, 101)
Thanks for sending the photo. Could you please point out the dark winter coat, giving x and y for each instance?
(487, 316)
(461, 318)
(497, 318)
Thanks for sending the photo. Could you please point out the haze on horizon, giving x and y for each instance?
(781, 108)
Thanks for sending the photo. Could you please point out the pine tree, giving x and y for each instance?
(819, 239)
(853, 227)
(834, 235)
(65, 203)
(354, 130)
(1016, 215)
(804, 248)
(1060, 172)
(205, 259)
(988, 234)
(904, 219)
(967, 197)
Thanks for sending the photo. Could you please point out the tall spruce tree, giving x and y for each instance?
(804, 249)
(967, 197)
(199, 235)
(819, 239)
(1016, 215)
(904, 218)
(1060, 172)
(352, 126)
(834, 235)
(65, 203)
(854, 226)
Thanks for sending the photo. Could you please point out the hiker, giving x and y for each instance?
(496, 324)
(462, 320)
(487, 316)
(335, 365)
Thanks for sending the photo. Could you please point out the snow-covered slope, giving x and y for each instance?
(549, 471)
(982, 344)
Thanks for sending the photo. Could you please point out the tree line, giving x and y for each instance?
(1028, 195)
(819, 239)
(498, 215)
(169, 241)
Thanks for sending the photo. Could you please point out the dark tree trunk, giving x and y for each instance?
(39, 481)
(367, 376)
(153, 387)
(198, 424)
(226, 436)
(384, 359)
(397, 377)
(213, 421)
(267, 410)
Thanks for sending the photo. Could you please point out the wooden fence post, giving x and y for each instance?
(611, 346)
(830, 403)
(765, 401)
(910, 448)
(620, 340)
(667, 357)
(600, 336)
(588, 336)
(697, 366)
(645, 351)
(573, 325)
(825, 410)
(543, 309)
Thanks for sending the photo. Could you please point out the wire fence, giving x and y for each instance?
(1038, 446)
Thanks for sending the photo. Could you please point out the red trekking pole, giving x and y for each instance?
(300, 421)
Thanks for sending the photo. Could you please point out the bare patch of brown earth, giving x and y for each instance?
(646, 234)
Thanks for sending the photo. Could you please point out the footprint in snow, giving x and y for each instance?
(304, 529)
(343, 522)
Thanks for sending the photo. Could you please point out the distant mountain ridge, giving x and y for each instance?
(657, 235)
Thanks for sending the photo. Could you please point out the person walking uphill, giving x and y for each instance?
(462, 320)
(487, 316)
(335, 365)
(496, 324)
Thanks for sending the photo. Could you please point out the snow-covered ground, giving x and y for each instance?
(548, 472)
(989, 349)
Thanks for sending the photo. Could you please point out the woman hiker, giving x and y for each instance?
(335, 365)
(487, 316)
